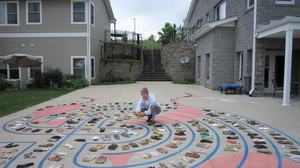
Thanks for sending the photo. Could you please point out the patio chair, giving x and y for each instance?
(275, 86)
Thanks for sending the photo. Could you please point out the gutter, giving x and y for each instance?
(254, 49)
(88, 44)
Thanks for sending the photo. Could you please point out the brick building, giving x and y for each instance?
(246, 40)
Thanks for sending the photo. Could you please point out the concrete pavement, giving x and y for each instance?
(241, 114)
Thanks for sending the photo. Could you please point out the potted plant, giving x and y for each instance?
(239, 81)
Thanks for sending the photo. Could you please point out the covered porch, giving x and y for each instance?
(287, 29)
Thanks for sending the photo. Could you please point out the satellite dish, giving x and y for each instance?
(184, 60)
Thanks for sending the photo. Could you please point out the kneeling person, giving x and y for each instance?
(148, 106)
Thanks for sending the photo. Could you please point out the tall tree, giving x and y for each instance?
(168, 33)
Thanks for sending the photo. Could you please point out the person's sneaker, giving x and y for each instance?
(151, 123)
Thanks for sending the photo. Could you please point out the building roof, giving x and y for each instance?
(277, 29)
(227, 22)
(110, 11)
(189, 14)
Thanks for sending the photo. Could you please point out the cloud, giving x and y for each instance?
(150, 15)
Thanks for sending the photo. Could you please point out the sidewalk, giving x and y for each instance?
(112, 104)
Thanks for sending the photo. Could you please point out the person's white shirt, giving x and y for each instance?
(146, 104)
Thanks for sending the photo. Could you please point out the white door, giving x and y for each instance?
(274, 66)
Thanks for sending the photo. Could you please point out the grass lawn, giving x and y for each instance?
(183, 82)
(116, 83)
(13, 101)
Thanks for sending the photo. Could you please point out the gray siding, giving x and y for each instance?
(56, 18)
(102, 23)
(224, 44)
(56, 52)
(268, 11)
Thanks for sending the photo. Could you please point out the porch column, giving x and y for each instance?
(287, 67)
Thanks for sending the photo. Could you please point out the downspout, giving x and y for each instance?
(88, 43)
(253, 49)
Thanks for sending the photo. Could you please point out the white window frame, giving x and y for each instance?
(94, 65)
(221, 9)
(248, 4)
(8, 73)
(8, 78)
(72, 62)
(93, 14)
(241, 66)
(18, 13)
(42, 67)
(285, 2)
(27, 12)
(85, 12)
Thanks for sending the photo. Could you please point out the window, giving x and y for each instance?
(78, 66)
(34, 72)
(199, 24)
(250, 3)
(33, 12)
(9, 13)
(198, 72)
(207, 18)
(241, 66)
(207, 64)
(220, 11)
(267, 68)
(13, 72)
(92, 14)
(285, 1)
(78, 12)
(3, 70)
(9, 72)
(93, 67)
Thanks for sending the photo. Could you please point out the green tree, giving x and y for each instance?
(168, 33)
(124, 38)
(151, 37)
(181, 36)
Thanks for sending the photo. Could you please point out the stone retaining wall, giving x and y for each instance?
(170, 59)
(111, 69)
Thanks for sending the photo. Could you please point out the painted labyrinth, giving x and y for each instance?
(109, 135)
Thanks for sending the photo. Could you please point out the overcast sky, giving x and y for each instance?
(150, 15)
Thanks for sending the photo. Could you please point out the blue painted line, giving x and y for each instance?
(59, 144)
(246, 150)
(143, 164)
(279, 158)
(298, 143)
(278, 155)
(34, 126)
(7, 165)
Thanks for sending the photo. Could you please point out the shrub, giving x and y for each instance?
(50, 78)
(54, 77)
(4, 84)
(77, 83)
